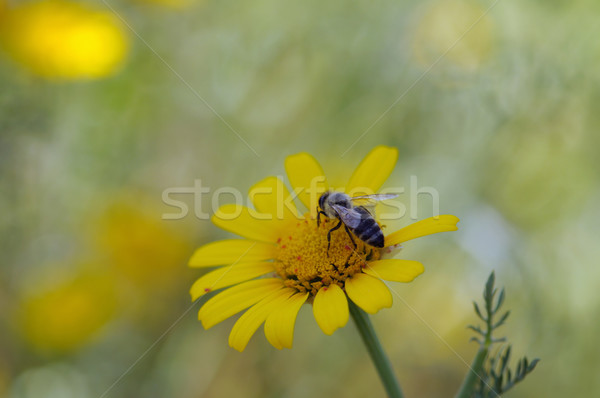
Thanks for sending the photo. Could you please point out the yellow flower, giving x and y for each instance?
(68, 315)
(63, 40)
(293, 251)
(140, 246)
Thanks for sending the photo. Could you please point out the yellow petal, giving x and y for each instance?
(431, 225)
(395, 270)
(270, 196)
(232, 251)
(279, 327)
(372, 172)
(307, 178)
(229, 275)
(250, 321)
(330, 309)
(235, 299)
(368, 293)
(247, 223)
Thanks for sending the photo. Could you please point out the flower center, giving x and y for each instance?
(305, 264)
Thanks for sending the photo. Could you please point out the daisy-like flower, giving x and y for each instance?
(283, 262)
(63, 39)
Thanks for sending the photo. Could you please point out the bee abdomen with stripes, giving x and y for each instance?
(368, 230)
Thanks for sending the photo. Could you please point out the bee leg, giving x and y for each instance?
(350, 236)
(329, 235)
(319, 212)
(348, 259)
(369, 255)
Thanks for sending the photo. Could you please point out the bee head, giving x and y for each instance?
(322, 200)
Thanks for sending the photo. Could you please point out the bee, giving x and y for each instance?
(354, 218)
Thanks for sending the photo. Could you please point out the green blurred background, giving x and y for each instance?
(505, 126)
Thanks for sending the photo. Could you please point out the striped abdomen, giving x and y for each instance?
(368, 230)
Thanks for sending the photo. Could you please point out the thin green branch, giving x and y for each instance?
(491, 376)
(475, 374)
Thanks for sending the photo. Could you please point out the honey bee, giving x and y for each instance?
(355, 218)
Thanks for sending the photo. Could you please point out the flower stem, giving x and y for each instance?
(467, 389)
(381, 361)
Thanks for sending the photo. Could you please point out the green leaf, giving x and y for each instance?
(478, 312)
(532, 365)
(501, 321)
(476, 329)
(499, 302)
(489, 286)
(504, 359)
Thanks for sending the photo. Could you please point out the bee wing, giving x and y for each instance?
(368, 202)
(374, 198)
(348, 216)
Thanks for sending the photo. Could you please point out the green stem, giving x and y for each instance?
(381, 361)
(468, 385)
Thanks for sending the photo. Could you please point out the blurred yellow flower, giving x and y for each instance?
(294, 250)
(67, 316)
(457, 24)
(140, 246)
(63, 40)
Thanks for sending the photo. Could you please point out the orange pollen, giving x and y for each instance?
(305, 264)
